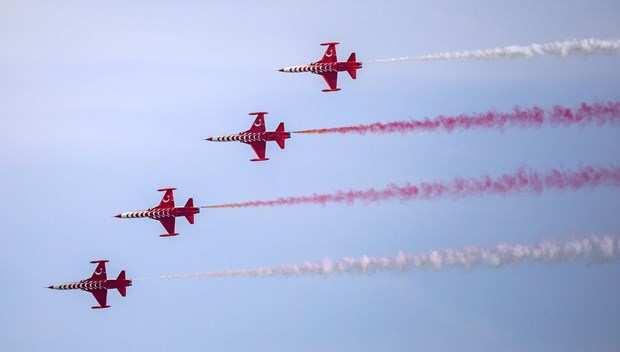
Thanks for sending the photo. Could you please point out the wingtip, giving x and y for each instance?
(169, 234)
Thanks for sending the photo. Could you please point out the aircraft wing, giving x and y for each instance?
(330, 53)
(331, 78)
(259, 149)
(100, 272)
(168, 224)
(259, 122)
(167, 202)
(101, 295)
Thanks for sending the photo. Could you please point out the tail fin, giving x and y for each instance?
(280, 127)
(352, 73)
(190, 203)
(123, 289)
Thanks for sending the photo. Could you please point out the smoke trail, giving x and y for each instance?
(589, 46)
(597, 113)
(524, 180)
(591, 249)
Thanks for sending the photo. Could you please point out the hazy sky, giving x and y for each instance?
(105, 102)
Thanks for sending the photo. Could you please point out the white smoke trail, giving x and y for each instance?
(589, 46)
(592, 249)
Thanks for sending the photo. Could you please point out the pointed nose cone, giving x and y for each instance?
(117, 215)
(281, 70)
(50, 286)
(209, 139)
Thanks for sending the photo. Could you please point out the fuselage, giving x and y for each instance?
(320, 68)
(157, 213)
(251, 137)
(91, 285)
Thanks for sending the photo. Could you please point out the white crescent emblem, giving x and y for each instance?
(329, 53)
(258, 124)
(166, 199)
(98, 271)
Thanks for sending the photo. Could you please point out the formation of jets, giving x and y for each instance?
(257, 137)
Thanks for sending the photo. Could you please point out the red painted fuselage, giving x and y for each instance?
(98, 284)
(165, 212)
(329, 66)
(257, 136)
(157, 213)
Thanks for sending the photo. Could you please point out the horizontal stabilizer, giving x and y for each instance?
(352, 58)
(280, 127)
(122, 290)
(100, 307)
(331, 90)
(280, 143)
(259, 159)
(121, 276)
(190, 203)
(352, 73)
(190, 218)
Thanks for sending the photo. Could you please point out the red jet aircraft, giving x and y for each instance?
(329, 66)
(166, 212)
(98, 284)
(257, 136)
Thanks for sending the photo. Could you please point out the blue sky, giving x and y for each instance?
(105, 102)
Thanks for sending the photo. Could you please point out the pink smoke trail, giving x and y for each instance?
(597, 113)
(524, 180)
(592, 249)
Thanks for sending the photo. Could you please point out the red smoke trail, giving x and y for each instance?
(522, 181)
(597, 113)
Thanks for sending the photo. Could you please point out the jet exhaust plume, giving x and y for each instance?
(524, 180)
(592, 249)
(590, 46)
(596, 113)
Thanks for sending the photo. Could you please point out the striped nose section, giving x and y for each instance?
(243, 137)
(317, 68)
(296, 69)
(86, 286)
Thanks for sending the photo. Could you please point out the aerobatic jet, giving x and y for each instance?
(329, 66)
(257, 136)
(98, 284)
(166, 212)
